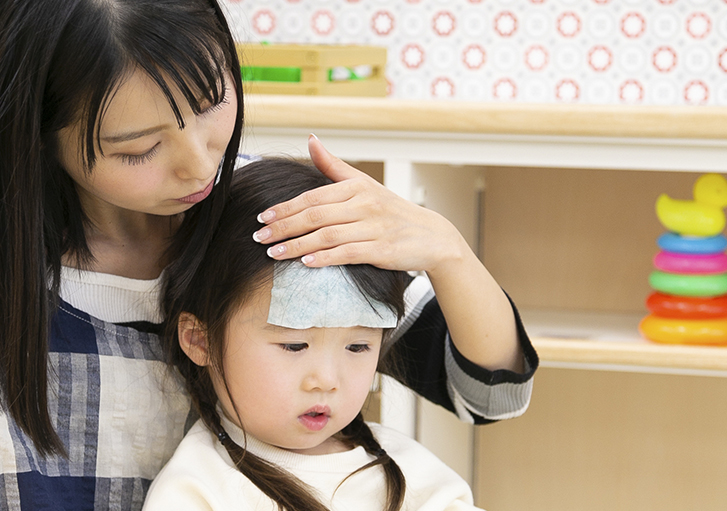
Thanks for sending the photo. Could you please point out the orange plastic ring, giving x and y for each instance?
(684, 331)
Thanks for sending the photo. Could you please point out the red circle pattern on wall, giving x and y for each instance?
(412, 55)
(263, 22)
(382, 23)
(698, 25)
(474, 56)
(504, 89)
(600, 58)
(444, 23)
(633, 25)
(568, 24)
(631, 91)
(664, 59)
(323, 22)
(607, 51)
(505, 24)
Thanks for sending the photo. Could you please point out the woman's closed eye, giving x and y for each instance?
(213, 108)
(139, 159)
(294, 347)
(224, 100)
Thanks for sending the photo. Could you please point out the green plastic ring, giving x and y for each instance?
(689, 285)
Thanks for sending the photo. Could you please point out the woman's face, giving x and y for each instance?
(148, 164)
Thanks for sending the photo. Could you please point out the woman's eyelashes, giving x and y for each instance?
(139, 159)
(214, 108)
(224, 100)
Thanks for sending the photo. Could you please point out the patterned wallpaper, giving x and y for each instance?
(656, 52)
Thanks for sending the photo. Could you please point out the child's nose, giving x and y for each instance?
(322, 377)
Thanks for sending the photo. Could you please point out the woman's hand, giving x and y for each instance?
(357, 220)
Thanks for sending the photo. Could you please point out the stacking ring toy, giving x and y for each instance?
(684, 331)
(684, 307)
(689, 285)
(674, 262)
(672, 242)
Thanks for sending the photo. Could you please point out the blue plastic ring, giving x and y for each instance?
(672, 242)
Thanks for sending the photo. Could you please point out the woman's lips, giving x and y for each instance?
(316, 418)
(199, 196)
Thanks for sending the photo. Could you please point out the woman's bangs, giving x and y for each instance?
(196, 65)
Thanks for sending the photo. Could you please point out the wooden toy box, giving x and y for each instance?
(313, 69)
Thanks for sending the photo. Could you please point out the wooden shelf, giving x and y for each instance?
(383, 114)
(416, 140)
(612, 342)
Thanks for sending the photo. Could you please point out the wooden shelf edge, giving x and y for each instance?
(704, 358)
(354, 113)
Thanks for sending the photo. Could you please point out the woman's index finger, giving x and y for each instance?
(328, 194)
(330, 165)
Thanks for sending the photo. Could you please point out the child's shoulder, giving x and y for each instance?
(431, 484)
(188, 481)
(397, 444)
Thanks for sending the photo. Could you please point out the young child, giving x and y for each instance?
(279, 359)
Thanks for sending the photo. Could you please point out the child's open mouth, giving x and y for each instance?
(316, 418)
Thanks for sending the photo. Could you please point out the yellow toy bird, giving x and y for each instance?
(703, 216)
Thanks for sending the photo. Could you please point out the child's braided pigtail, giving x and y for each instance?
(359, 433)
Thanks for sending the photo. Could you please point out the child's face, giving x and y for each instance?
(149, 165)
(295, 388)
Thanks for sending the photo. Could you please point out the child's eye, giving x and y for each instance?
(358, 348)
(294, 347)
(138, 159)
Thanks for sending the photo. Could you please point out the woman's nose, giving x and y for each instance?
(194, 160)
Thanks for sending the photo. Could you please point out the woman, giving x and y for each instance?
(119, 125)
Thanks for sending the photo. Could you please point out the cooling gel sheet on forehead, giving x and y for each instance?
(305, 297)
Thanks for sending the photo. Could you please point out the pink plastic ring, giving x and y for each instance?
(673, 262)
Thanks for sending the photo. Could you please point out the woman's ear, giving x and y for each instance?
(193, 338)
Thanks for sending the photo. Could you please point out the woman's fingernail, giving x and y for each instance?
(314, 136)
(262, 234)
(266, 216)
(308, 259)
(276, 251)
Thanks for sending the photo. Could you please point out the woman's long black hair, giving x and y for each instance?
(61, 63)
(233, 267)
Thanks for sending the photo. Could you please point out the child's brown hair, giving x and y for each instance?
(234, 265)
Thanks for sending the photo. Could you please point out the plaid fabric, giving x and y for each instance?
(118, 411)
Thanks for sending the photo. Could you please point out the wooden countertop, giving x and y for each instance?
(346, 113)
